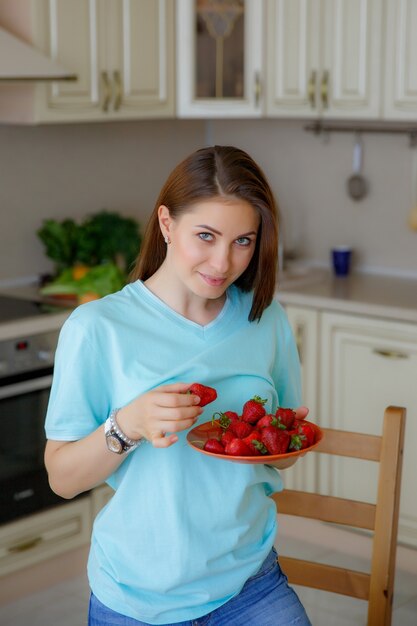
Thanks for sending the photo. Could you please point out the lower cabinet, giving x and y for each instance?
(41, 536)
(362, 365)
(44, 535)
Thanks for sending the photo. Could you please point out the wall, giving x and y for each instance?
(74, 170)
(61, 171)
(308, 175)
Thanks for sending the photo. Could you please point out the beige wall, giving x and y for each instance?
(71, 170)
(308, 175)
(74, 170)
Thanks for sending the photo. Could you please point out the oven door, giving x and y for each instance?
(24, 486)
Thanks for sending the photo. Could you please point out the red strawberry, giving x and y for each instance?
(275, 440)
(213, 445)
(253, 410)
(302, 436)
(206, 394)
(254, 442)
(226, 437)
(237, 447)
(232, 415)
(240, 429)
(286, 417)
(267, 420)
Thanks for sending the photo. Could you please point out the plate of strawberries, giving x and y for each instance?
(255, 436)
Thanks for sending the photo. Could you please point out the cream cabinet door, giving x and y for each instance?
(140, 42)
(350, 83)
(219, 58)
(324, 58)
(368, 364)
(305, 326)
(293, 57)
(401, 60)
(121, 51)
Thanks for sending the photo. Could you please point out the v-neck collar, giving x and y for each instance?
(205, 330)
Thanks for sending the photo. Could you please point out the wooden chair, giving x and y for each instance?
(382, 518)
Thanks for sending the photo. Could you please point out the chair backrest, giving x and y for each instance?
(382, 518)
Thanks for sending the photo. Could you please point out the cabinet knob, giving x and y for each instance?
(257, 89)
(118, 86)
(107, 91)
(391, 354)
(311, 89)
(324, 89)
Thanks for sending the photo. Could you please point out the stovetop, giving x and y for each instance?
(17, 308)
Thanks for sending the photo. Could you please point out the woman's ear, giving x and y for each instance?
(165, 220)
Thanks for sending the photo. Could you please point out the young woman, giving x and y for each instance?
(186, 539)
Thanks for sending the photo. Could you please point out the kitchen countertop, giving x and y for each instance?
(386, 297)
(362, 294)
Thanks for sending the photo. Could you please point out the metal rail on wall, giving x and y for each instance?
(320, 128)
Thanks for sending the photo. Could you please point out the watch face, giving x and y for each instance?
(114, 444)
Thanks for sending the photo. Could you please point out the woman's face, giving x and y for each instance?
(211, 245)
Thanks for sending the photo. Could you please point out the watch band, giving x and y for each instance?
(117, 441)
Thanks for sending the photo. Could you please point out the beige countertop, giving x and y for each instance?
(363, 294)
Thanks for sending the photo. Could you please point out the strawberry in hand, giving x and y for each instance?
(253, 410)
(206, 394)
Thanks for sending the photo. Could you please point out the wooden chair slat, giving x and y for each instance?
(326, 508)
(326, 577)
(356, 445)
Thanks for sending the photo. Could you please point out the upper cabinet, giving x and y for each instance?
(324, 58)
(219, 58)
(122, 53)
(401, 60)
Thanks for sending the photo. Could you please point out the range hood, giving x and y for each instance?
(20, 62)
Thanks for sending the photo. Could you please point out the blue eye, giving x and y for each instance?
(205, 236)
(244, 241)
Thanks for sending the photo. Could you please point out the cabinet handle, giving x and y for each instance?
(118, 83)
(391, 354)
(324, 89)
(107, 91)
(311, 89)
(257, 89)
(299, 341)
(25, 545)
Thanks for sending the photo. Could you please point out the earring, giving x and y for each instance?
(167, 240)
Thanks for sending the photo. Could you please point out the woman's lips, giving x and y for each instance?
(212, 281)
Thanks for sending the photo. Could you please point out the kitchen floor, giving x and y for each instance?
(66, 603)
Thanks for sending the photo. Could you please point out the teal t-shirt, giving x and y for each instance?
(183, 531)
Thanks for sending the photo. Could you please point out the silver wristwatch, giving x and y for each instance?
(116, 440)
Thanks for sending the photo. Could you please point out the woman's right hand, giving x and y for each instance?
(165, 409)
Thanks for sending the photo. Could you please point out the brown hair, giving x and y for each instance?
(210, 173)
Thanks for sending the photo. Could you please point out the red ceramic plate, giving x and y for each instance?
(198, 436)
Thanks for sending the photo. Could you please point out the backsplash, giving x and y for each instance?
(77, 169)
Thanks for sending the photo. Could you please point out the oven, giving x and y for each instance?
(26, 366)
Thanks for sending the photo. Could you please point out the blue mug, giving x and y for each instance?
(341, 260)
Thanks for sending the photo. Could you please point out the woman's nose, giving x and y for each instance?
(220, 259)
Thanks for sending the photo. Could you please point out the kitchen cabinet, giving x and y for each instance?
(401, 61)
(44, 535)
(324, 58)
(122, 53)
(362, 365)
(305, 325)
(219, 58)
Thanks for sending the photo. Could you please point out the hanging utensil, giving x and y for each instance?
(357, 185)
(412, 216)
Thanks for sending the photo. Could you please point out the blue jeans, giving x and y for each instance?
(265, 600)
